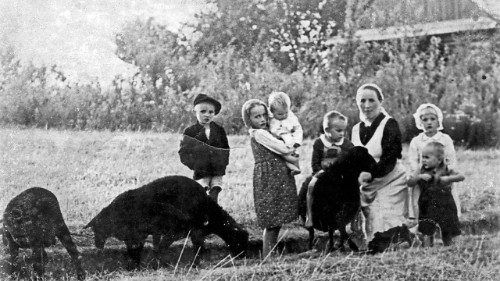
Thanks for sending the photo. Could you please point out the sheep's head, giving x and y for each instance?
(357, 159)
(100, 231)
(222, 224)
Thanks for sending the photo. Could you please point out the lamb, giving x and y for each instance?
(336, 195)
(168, 208)
(33, 220)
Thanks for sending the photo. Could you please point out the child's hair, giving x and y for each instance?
(279, 99)
(247, 107)
(332, 115)
(438, 148)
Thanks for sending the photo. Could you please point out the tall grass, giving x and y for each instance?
(86, 170)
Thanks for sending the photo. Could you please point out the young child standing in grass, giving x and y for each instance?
(204, 147)
(436, 203)
(429, 119)
(326, 149)
(274, 190)
(284, 125)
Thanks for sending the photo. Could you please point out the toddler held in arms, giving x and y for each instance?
(284, 125)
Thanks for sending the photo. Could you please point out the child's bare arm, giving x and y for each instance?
(290, 158)
(452, 178)
(413, 180)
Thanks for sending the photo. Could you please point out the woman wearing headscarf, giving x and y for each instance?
(383, 190)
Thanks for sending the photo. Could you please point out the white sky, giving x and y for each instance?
(78, 35)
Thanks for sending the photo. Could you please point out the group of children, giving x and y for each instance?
(205, 150)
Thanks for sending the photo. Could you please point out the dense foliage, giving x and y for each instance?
(259, 47)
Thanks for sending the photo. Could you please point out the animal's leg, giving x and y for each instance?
(156, 242)
(311, 237)
(162, 243)
(447, 238)
(331, 246)
(198, 240)
(343, 237)
(134, 250)
(13, 251)
(65, 237)
(166, 241)
(39, 258)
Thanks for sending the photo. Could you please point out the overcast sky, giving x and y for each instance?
(78, 35)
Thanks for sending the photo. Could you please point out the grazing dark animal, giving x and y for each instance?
(169, 208)
(383, 240)
(336, 195)
(33, 220)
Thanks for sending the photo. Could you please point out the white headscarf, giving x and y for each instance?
(421, 111)
(247, 106)
(362, 117)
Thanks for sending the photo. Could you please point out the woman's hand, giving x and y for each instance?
(364, 178)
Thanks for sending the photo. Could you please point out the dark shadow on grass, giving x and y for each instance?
(111, 259)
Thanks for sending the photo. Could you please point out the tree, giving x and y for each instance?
(290, 31)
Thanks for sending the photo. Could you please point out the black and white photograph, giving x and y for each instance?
(250, 140)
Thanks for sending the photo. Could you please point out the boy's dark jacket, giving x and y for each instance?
(206, 157)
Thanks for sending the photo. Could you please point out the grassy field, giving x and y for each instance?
(86, 170)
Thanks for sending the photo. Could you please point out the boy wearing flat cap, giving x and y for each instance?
(204, 147)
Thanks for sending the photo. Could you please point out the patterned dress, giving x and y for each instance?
(274, 190)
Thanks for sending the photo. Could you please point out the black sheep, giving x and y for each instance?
(168, 208)
(33, 220)
(336, 195)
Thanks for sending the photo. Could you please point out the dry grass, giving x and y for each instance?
(86, 170)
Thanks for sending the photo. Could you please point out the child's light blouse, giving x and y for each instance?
(265, 138)
(290, 125)
(417, 144)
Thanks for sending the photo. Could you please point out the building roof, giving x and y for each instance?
(422, 29)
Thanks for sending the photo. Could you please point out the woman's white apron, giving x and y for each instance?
(384, 200)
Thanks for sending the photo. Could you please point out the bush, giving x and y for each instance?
(462, 81)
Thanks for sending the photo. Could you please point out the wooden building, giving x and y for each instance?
(392, 19)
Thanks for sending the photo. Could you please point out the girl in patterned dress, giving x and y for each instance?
(274, 190)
